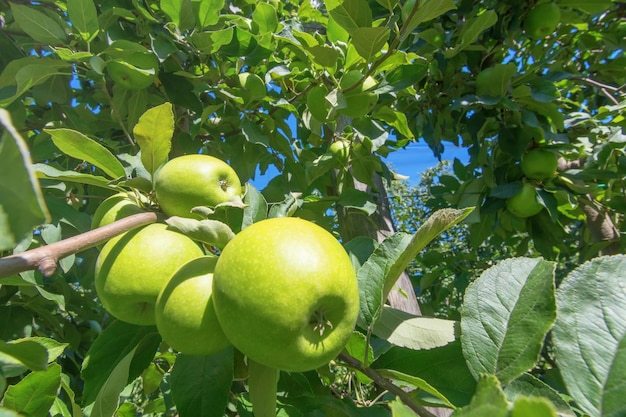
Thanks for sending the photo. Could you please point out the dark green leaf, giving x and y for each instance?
(110, 348)
(34, 395)
(590, 335)
(530, 386)
(84, 18)
(28, 352)
(442, 368)
(22, 207)
(38, 25)
(154, 133)
(426, 10)
(200, 384)
(507, 312)
(359, 200)
(79, 146)
(108, 396)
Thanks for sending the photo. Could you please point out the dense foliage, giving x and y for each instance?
(96, 95)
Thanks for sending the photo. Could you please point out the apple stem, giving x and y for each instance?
(320, 322)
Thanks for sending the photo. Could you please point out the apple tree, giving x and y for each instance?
(296, 104)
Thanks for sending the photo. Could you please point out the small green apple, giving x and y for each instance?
(184, 312)
(542, 20)
(115, 207)
(524, 202)
(195, 180)
(340, 150)
(133, 267)
(539, 164)
(286, 294)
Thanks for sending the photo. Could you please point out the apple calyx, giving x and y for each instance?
(320, 322)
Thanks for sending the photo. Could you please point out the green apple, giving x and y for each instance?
(542, 20)
(539, 164)
(524, 202)
(340, 150)
(286, 294)
(184, 312)
(115, 207)
(195, 180)
(134, 71)
(133, 267)
(359, 101)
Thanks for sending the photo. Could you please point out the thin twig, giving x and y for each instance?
(45, 258)
(386, 385)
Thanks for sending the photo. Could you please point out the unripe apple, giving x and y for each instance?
(115, 207)
(542, 20)
(524, 202)
(134, 71)
(195, 180)
(539, 164)
(286, 294)
(133, 267)
(184, 312)
(340, 150)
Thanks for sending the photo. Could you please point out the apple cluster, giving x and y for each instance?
(283, 291)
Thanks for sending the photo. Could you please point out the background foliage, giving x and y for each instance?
(274, 84)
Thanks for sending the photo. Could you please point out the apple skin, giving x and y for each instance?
(286, 294)
(184, 312)
(539, 164)
(115, 207)
(134, 71)
(133, 267)
(195, 180)
(340, 150)
(524, 203)
(542, 20)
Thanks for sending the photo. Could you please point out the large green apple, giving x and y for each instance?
(195, 180)
(184, 312)
(539, 164)
(286, 294)
(133, 267)
(542, 20)
(115, 207)
(524, 202)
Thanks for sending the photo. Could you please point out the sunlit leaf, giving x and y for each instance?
(34, 395)
(154, 133)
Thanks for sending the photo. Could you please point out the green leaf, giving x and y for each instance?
(208, 12)
(49, 172)
(350, 14)
(79, 146)
(402, 77)
(108, 396)
(368, 41)
(110, 348)
(264, 15)
(153, 134)
(488, 400)
(359, 200)
(380, 272)
(414, 332)
(22, 207)
(444, 368)
(426, 10)
(211, 41)
(590, 335)
(28, 72)
(256, 206)
(506, 314)
(212, 232)
(84, 18)
(529, 386)
(532, 407)
(180, 11)
(417, 383)
(38, 25)
(28, 352)
(201, 384)
(472, 29)
(587, 6)
(34, 395)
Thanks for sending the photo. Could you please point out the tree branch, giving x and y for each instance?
(45, 258)
(386, 384)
